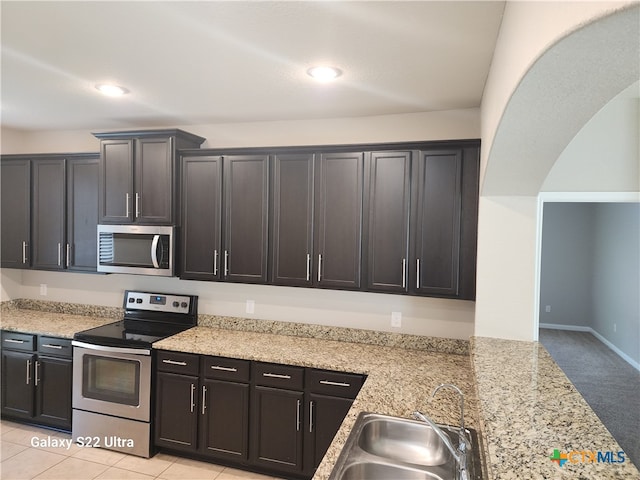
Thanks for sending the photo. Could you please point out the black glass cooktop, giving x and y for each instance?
(149, 317)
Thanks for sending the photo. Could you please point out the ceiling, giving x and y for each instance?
(208, 62)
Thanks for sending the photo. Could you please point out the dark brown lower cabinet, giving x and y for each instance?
(277, 419)
(37, 379)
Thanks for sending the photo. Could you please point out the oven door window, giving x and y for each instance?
(114, 380)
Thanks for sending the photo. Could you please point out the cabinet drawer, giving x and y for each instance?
(60, 347)
(335, 384)
(223, 368)
(178, 362)
(18, 341)
(280, 376)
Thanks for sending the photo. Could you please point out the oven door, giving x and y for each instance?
(112, 380)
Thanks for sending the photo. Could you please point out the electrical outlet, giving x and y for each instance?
(43, 289)
(251, 306)
(615, 328)
(396, 319)
(547, 309)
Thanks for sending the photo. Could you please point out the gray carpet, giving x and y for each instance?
(610, 385)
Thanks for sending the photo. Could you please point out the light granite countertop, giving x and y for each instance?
(515, 395)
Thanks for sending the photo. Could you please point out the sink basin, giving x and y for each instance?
(380, 471)
(383, 447)
(407, 441)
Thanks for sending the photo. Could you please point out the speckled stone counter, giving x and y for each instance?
(62, 325)
(399, 380)
(528, 409)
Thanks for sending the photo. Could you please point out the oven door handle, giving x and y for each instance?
(104, 348)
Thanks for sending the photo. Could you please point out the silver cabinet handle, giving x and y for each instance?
(418, 273)
(335, 384)
(137, 205)
(308, 267)
(28, 372)
(174, 362)
(24, 252)
(319, 266)
(59, 255)
(298, 416)
(404, 273)
(37, 365)
(215, 262)
(311, 417)
(68, 255)
(13, 340)
(49, 345)
(204, 399)
(226, 263)
(277, 375)
(224, 369)
(127, 204)
(193, 403)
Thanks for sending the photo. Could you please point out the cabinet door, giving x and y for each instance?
(338, 221)
(386, 247)
(246, 180)
(52, 381)
(48, 214)
(82, 213)
(435, 269)
(276, 429)
(201, 217)
(292, 219)
(116, 181)
(176, 411)
(153, 189)
(17, 384)
(224, 425)
(325, 417)
(16, 213)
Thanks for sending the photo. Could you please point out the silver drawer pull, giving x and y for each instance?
(174, 362)
(224, 369)
(335, 384)
(11, 340)
(277, 375)
(49, 345)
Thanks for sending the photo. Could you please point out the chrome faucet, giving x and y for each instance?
(459, 453)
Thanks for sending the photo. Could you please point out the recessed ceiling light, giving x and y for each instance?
(324, 73)
(111, 90)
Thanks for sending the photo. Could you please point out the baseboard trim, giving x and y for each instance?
(580, 328)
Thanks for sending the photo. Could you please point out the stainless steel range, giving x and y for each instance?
(112, 365)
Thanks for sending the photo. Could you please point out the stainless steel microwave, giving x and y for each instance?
(136, 249)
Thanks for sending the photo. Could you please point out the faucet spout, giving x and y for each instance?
(460, 394)
(445, 439)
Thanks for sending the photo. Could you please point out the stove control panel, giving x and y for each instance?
(157, 302)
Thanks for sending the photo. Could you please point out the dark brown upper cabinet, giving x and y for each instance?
(82, 213)
(338, 219)
(48, 219)
(16, 213)
(445, 223)
(201, 217)
(246, 216)
(292, 245)
(386, 221)
(138, 175)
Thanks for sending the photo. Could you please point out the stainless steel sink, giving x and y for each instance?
(383, 447)
(407, 441)
(367, 470)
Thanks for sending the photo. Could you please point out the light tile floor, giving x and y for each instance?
(21, 460)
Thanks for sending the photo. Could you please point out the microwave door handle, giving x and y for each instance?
(154, 251)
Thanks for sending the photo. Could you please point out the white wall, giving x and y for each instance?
(506, 299)
(424, 316)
